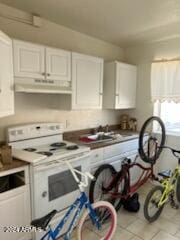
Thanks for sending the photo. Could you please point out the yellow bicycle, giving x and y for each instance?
(164, 193)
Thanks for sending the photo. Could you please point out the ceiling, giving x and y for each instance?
(121, 22)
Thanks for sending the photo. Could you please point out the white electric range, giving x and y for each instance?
(52, 185)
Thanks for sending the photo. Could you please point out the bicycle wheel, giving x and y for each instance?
(86, 227)
(103, 176)
(178, 189)
(151, 209)
(122, 188)
(151, 143)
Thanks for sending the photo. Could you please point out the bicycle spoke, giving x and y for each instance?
(102, 182)
(152, 210)
(107, 218)
(152, 138)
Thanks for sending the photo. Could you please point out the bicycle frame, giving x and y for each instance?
(148, 172)
(169, 185)
(78, 205)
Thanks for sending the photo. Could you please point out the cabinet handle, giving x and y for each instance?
(117, 94)
(100, 93)
(48, 74)
(43, 73)
(96, 155)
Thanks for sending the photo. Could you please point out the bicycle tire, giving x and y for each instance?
(178, 189)
(115, 202)
(147, 202)
(108, 232)
(143, 154)
(124, 192)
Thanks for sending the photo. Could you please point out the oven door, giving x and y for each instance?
(54, 186)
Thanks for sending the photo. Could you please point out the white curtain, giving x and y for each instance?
(165, 81)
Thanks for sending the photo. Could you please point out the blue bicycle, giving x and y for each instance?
(99, 218)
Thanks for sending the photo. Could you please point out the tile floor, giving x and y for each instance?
(133, 226)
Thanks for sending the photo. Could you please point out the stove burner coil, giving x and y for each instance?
(48, 154)
(30, 149)
(58, 144)
(72, 147)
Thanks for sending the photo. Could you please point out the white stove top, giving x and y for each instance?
(56, 148)
(25, 142)
(46, 153)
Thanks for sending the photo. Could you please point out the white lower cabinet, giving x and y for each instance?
(15, 206)
(96, 157)
(115, 162)
(114, 155)
(135, 171)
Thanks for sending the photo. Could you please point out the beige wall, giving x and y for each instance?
(55, 35)
(143, 56)
(45, 107)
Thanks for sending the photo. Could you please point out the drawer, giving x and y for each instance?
(96, 155)
(120, 148)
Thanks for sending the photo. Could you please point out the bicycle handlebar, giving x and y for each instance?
(86, 175)
(174, 151)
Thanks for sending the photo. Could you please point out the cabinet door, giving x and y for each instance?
(6, 76)
(135, 171)
(28, 60)
(125, 96)
(15, 212)
(96, 157)
(87, 80)
(58, 64)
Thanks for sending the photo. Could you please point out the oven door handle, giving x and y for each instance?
(59, 162)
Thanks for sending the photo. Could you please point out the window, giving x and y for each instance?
(165, 92)
(169, 112)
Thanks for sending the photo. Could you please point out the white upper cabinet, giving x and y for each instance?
(28, 60)
(87, 82)
(39, 62)
(125, 85)
(58, 64)
(119, 86)
(6, 76)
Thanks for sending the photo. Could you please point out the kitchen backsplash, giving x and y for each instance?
(47, 108)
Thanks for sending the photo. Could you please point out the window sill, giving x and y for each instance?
(170, 133)
(173, 134)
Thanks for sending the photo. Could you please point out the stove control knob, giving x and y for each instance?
(44, 194)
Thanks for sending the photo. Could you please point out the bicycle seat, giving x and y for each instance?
(165, 174)
(43, 222)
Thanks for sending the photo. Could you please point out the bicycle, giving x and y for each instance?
(113, 186)
(93, 218)
(161, 194)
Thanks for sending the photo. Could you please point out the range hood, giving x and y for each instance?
(39, 88)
